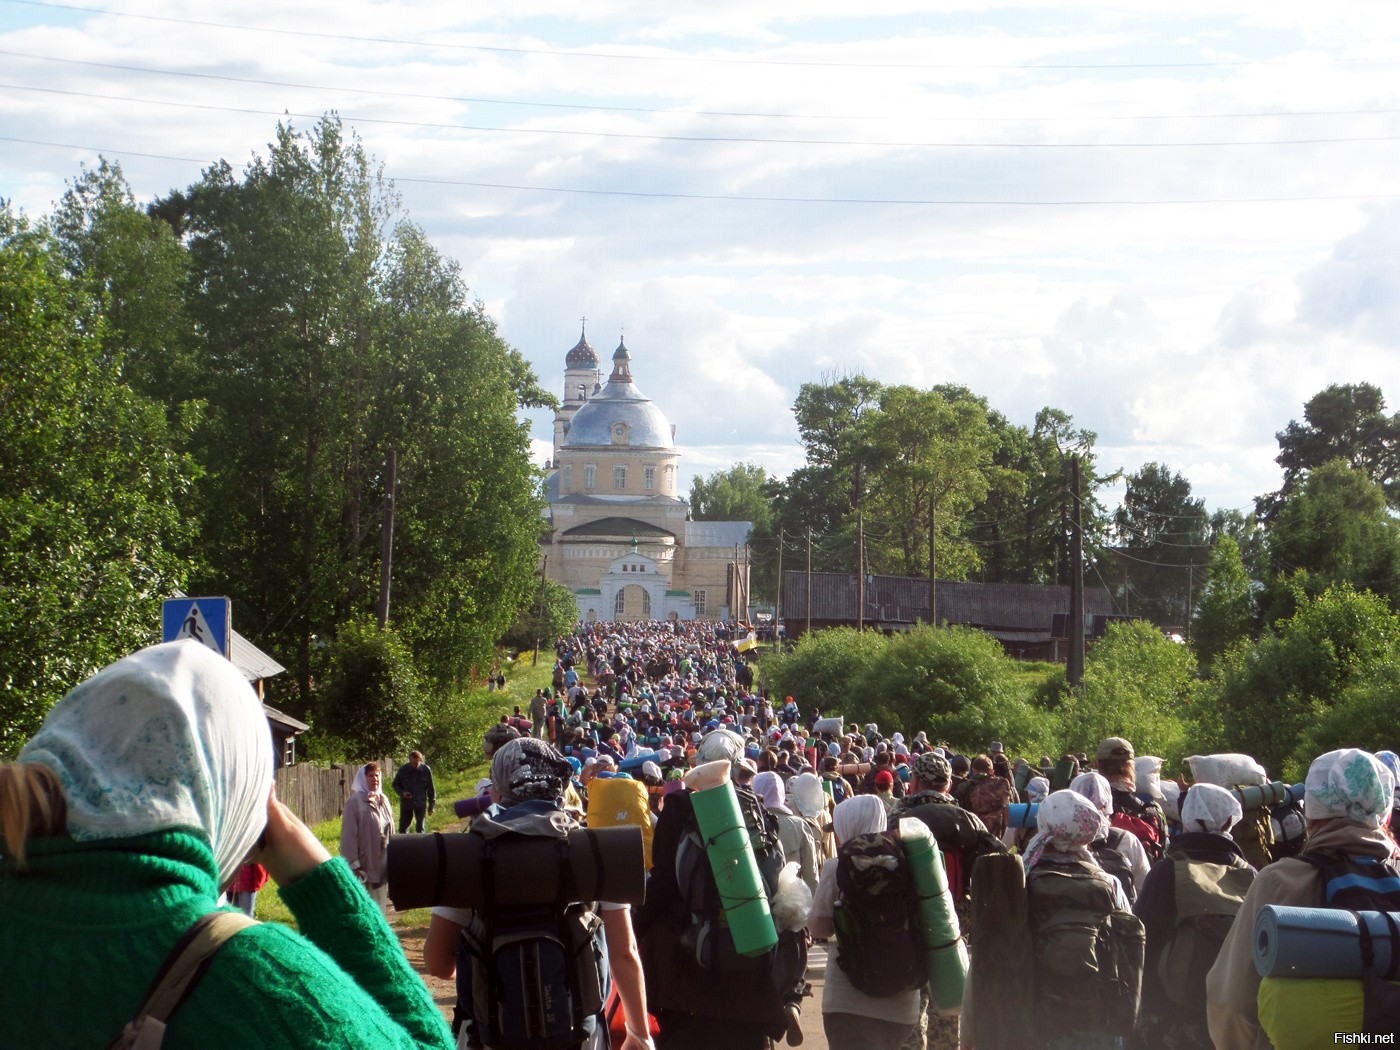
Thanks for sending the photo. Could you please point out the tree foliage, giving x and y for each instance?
(553, 612)
(1137, 684)
(1278, 698)
(1162, 533)
(371, 697)
(91, 480)
(824, 667)
(1227, 611)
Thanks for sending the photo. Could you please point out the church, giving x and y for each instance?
(619, 532)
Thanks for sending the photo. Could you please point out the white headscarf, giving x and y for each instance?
(1094, 787)
(169, 737)
(806, 794)
(768, 786)
(1349, 783)
(1037, 788)
(1210, 808)
(858, 815)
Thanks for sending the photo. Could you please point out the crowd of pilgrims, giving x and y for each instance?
(661, 691)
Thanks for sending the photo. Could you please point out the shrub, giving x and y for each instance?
(371, 698)
(824, 669)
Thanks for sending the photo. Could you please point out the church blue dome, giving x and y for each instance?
(620, 404)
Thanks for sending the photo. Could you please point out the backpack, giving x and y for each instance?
(531, 978)
(1208, 896)
(1087, 954)
(879, 943)
(1142, 819)
(1106, 853)
(706, 937)
(988, 798)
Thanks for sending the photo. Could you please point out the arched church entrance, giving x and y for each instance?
(633, 603)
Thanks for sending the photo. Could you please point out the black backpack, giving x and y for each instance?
(531, 978)
(879, 944)
(1087, 954)
(1106, 853)
(706, 938)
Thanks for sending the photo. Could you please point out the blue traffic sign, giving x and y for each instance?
(208, 621)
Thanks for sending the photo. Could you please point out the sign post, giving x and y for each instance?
(208, 621)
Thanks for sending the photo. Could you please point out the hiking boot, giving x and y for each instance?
(793, 1014)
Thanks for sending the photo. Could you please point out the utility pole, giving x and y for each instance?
(809, 584)
(860, 571)
(778, 605)
(932, 575)
(386, 559)
(736, 596)
(1074, 665)
(1190, 594)
(539, 610)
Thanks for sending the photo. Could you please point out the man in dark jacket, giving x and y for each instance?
(413, 784)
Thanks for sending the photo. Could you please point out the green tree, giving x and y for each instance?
(1161, 532)
(1346, 421)
(740, 493)
(1137, 684)
(91, 481)
(372, 698)
(1269, 694)
(1337, 527)
(554, 612)
(1226, 613)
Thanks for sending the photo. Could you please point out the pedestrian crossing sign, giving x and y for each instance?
(208, 621)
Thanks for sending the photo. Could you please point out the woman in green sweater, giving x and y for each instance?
(135, 802)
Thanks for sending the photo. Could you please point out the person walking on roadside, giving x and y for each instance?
(413, 784)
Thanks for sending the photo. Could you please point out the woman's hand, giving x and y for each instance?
(289, 849)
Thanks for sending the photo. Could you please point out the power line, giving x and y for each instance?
(705, 59)
(674, 111)
(767, 198)
(719, 139)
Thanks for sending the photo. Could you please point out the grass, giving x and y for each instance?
(522, 679)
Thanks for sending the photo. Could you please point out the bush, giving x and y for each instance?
(372, 698)
(1137, 684)
(957, 684)
(456, 725)
(824, 669)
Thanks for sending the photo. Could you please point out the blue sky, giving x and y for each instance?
(1176, 225)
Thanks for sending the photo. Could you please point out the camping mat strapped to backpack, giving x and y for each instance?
(945, 951)
(879, 945)
(742, 896)
(1326, 942)
(998, 1007)
(585, 864)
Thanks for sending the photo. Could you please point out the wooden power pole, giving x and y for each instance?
(1074, 665)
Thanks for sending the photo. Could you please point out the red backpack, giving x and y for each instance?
(1139, 826)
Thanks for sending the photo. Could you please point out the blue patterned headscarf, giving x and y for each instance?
(1349, 783)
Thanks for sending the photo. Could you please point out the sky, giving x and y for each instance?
(1176, 222)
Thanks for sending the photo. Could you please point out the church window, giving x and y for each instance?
(699, 603)
(670, 479)
(567, 476)
(589, 475)
(618, 606)
(619, 476)
(649, 478)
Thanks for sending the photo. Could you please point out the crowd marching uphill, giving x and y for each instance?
(1096, 903)
(657, 849)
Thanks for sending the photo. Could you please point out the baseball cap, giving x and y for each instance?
(1115, 747)
(932, 769)
(884, 778)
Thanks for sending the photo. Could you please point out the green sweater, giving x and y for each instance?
(85, 927)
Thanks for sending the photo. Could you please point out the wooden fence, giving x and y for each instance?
(317, 793)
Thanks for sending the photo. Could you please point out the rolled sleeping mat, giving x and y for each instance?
(1023, 814)
(631, 765)
(1324, 942)
(945, 950)
(853, 769)
(741, 894)
(830, 725)
(1258, 796)
(997, 978)
(605, 864)
(1066, 769)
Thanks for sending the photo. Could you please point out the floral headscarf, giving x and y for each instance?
(1067, 822)
(1037, 788)
(1094, 787)
(1349, 783)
